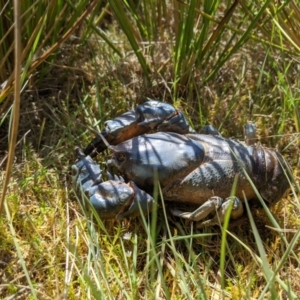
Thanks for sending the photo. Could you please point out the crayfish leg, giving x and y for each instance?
(231, 203)
(214, 205)
(210, 206)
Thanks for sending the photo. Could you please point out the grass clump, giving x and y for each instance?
(222, 64)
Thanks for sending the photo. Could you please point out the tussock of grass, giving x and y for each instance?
(54, 246)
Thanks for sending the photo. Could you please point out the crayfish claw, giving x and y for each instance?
(150, 116)
(161, 116)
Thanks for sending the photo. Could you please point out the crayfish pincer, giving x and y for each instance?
(154, 142)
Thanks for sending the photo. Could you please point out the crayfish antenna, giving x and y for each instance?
(95, 152)
(110, 147)
(104, 140)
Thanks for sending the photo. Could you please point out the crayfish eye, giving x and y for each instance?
(120, 157)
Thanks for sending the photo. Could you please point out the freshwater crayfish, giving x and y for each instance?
(156, 141)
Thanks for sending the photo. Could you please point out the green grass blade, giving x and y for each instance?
(131, 34)
(224, 235)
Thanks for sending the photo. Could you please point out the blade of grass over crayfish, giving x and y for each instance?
(154, 264)
(183, 284)
(86, 206)
(224, 227)
(17, 100)
(155, 258)
(153, 228)
(181, 265)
